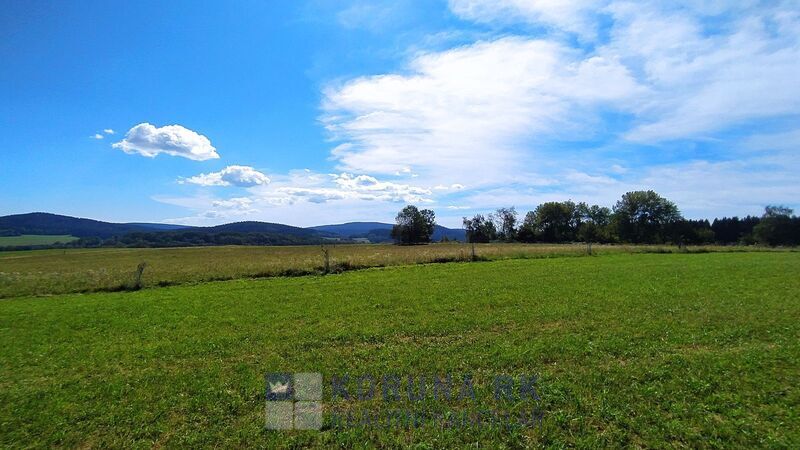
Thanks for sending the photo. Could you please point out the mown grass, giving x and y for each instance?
(642, 350)
(34, 239)
(45, 272)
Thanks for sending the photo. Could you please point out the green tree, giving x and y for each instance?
(593, 223)
(689, 232)
(641, 217)
(414, 226)
(555, 221)
(480, 229)
(527, 230)
(506, 223)
(777, 227)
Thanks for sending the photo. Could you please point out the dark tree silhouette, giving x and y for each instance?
(414, 226)
(479, 229)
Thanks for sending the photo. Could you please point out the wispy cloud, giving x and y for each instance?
(299, 190)
(467, 110)
(647, 74)
(573, 16)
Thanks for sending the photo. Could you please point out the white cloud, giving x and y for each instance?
(705, 189)
(345, 186)
(464, 112)
(781, 140)
(237, 206)
(452, 187)
(618, 169)
(573, 16)
(220, 211)
(336, 194)
(108, 131)
(96, 136)
(365, 184)
(241, 176)
(514, 104)
(706, 66)
(702, 81)
(582, 178)
(373, 15)
(522, 119)
(147, 140)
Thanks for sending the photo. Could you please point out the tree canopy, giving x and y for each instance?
(641, 216)
(479, 229)
(414, 226)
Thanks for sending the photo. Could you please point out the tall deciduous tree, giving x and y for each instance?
(414, 226)
(641, 216)
(479, 229)
(506, 223)
(778, 227)
(527, 230)
(555, 221)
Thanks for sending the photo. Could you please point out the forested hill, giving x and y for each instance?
(94, 233)
(40, 223)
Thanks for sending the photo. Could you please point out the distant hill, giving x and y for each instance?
(53, 224)
(159, 226)
(353, 228)
(263, 227)
(95, 232)
(381, 232)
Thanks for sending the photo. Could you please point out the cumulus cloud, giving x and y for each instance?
(108, 131)
(147, 140)
(96, 136)
(241, 176)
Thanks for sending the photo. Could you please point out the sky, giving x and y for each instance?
(312, 112)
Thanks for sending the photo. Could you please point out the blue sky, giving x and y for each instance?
(314, 112)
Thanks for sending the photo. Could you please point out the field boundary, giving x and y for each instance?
(136, 280)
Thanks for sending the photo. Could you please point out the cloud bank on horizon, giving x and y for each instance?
(581, 99)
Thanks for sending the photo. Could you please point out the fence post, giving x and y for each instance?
(137, 279)
(327, 258)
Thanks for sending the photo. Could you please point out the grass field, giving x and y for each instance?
(34, 239)
(44, 272)
(644, 350)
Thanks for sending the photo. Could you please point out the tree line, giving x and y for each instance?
(639, 217)
(180, 238)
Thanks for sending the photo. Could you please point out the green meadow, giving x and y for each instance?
(631, 349)
(46, 272)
